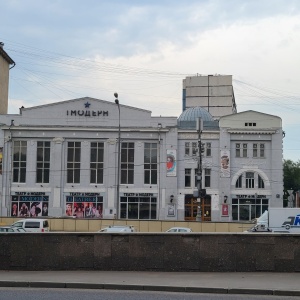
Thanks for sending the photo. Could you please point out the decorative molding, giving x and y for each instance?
(58, 140)
(111, 141)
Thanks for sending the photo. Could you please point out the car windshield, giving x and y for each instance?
(172, 230)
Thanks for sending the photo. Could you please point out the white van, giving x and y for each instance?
(33, 225)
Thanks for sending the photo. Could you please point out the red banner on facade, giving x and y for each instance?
(225, 210)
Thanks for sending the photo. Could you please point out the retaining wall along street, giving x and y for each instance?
(198, 252)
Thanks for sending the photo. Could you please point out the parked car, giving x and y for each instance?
(118, 228)
(11, 229)
(32, 225)
(179, 229)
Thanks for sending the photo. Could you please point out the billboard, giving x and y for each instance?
(171, 162)
(225, 163)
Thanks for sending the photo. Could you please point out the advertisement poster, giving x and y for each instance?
(225, 163)
(225, 212)
(84, 206)
(171, 162)
(29, 205)
(171, 210)
(1, 155)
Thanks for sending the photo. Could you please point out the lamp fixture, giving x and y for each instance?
(225, 199)
(171, 198)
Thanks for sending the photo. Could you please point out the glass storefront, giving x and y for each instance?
(138, 207)
(248, 209)
(86, 206)
(29, 205)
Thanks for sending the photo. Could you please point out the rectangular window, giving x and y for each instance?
(73, 162)
(249, 180)
(19, 161)
(208, 149)
(138, 208)
(194, 149)
(150, 163)
(43, 162)
(127, 163)
(262, 150)
(187, 149)
(207, 176)
(97, 162)
(238, 150)
(258, 150)
(188, 174)
(254, 150)
(245, 154)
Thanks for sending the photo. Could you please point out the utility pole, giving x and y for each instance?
(199, 171)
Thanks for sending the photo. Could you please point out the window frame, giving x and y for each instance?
(43, 160)
(19, 161)
(127, 163)
(150, 163)
(73, 162)
(96, 162)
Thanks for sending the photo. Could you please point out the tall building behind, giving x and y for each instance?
(213, 93)
(5, 62)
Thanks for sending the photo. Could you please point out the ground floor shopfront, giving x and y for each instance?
(136, 206)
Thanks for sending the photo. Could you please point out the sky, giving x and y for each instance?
(67, 49)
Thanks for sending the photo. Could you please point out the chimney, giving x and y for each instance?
(5, 62)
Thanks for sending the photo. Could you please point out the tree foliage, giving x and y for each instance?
(291, 175)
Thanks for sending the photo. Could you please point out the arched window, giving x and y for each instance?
(238, 183)
(261, 184)
(252, 180)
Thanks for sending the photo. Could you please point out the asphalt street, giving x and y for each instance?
(259, 283)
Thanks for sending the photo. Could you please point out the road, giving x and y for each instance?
(88, 294)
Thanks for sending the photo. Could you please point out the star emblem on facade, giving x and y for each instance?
(87, 104)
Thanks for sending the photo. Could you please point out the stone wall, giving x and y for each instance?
(197, 252)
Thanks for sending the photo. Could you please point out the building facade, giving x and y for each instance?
(61, 159)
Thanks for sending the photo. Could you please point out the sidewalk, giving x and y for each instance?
(226, 283)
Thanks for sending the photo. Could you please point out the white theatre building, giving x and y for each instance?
(61, 159)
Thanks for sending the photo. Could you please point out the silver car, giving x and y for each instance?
(118, 228)
(179, 229)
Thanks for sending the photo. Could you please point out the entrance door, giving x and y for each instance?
(191, 209)
(206, 209)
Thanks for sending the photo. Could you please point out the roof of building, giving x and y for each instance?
(188, 119)
(5, 55)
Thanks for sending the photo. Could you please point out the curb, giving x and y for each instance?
(162, 288)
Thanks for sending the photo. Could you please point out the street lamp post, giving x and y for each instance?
(199, 172)
(119, 152)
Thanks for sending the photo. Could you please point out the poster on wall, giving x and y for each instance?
(225, 212)
(29, 205)
(225, 163)
(85, 206)
(171, 162)
(1, 155)
(171, 210)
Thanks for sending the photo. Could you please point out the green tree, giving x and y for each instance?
(291, 177)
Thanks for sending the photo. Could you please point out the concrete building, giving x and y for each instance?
(213, 92)
(64, 156)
